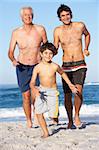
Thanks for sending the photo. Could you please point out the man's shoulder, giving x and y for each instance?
(16, 30)
(39, 27)
(58, 30)
(59, 27)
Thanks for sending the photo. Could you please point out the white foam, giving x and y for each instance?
(11, 112)
(86, 110)
(92, 83)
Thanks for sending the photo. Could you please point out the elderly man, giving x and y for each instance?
(28, 38)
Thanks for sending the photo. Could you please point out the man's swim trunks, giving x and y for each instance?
(47, 102)
(76, 71)
(24, 74)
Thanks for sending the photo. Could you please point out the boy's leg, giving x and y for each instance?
(53, 105)
(43, 125)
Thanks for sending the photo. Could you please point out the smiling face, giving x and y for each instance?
(27, 15)
(47, 55)
(65, 17)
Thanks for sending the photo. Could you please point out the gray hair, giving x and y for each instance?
(22, 9)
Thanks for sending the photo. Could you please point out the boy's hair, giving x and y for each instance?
(48, 46)
(63, 8)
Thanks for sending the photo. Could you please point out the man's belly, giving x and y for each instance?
(29, 60)
(72, 57)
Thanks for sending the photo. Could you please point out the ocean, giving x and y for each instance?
(11, 102)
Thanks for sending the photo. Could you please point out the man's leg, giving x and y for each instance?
(35, 122)
(43, 125)
(78, 99)
(27, 107)
(69, 108)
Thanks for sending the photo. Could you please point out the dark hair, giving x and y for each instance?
(48, 46)
(63, 8)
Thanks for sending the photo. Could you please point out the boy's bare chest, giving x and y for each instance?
(47, 71)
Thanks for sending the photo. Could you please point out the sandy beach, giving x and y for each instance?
(16, 136)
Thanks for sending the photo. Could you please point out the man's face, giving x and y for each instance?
(27, 16)
(65, 17)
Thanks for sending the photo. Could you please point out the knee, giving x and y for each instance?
(79, 95)
(26, 99)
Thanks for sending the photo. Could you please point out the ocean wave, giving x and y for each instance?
(86, 110)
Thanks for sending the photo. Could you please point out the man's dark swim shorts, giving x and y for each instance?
(76, 72)
(24, 74)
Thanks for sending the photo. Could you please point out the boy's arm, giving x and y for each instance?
(65, 77)
(34, 89)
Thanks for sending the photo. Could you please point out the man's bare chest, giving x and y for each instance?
(69, 36)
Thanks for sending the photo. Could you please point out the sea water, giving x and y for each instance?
(11, 102)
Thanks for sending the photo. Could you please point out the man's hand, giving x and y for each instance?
(15, 63)
(86, 52)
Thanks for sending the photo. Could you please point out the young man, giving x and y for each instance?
(47, 94)
(28, 38)
(69, 35)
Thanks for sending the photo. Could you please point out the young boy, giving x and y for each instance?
(47, 94)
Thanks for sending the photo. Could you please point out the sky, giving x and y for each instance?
(45, 13)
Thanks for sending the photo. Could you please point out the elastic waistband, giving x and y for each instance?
(75, 63)
(47, 88)
(23, 65)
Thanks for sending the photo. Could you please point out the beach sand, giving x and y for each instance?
(16, 136)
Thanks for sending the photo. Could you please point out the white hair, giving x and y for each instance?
(22, 9)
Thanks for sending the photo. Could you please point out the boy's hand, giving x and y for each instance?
(36, 92)
(73, 88)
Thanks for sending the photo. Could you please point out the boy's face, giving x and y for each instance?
(47, 55)
(65, 17)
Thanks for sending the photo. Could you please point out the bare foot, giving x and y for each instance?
(45, 136)
(29, 123)
(55, 123)
(69, 125)
(55, 120)
(77, 121)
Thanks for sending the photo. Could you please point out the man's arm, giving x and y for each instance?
(12, 49)
(65, 77)
(87, 40)
(56, 38)
(44, 35)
